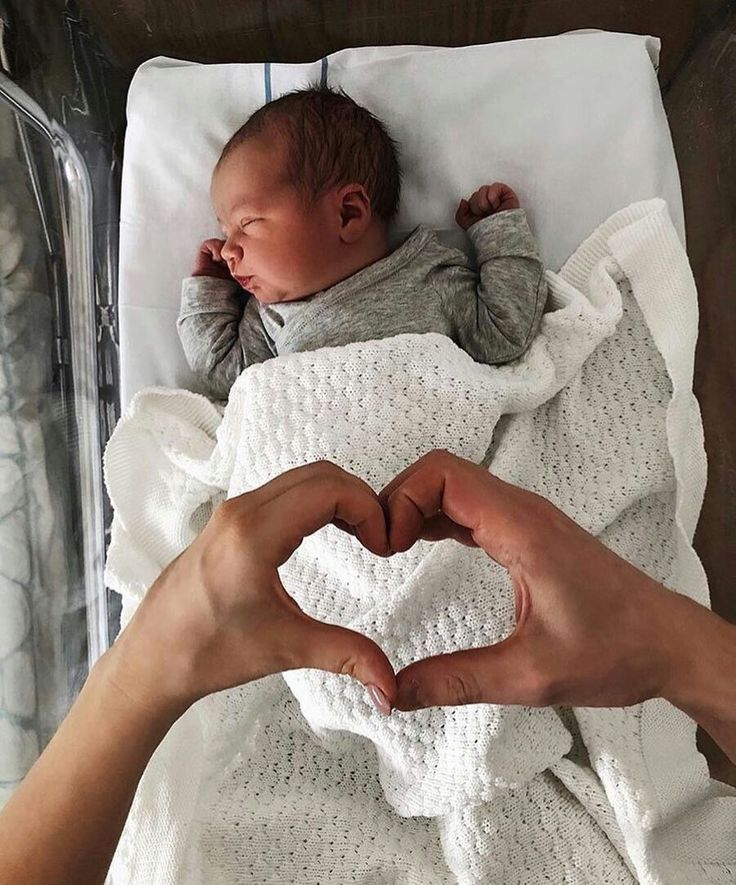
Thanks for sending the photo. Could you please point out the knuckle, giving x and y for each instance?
(545, 689)
(224, 511)
(349, 667)
(325, 465)
(459, 688)
(440, 456)
(329, 473)
(234, 517)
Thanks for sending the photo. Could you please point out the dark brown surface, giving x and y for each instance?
(701, 108)
(698, 78)
(304, 30)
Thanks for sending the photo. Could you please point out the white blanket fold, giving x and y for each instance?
(599, 417)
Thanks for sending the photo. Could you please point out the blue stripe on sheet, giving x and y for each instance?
(267, 78)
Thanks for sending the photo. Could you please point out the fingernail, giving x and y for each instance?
(380, 701)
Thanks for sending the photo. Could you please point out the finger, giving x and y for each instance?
(215, 247)
(399, 479)
(496, 674)
(494, 193)
(441, 528)
(340, 650)
(406, 516)
(289, 479)
(295, 475)
(506, 192)
(303, 500)
(466, 219)
(494, 513)
(413, 524)
(418, 495)
(211, 248)
(343, 526)
(476, 203)
(486, 198)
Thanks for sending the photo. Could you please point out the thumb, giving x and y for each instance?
(496, 674)
(339, 650)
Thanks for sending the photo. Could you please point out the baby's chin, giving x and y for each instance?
(261, 294)
(269, 296)
(265, 296)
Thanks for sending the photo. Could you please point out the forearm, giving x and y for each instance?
(208, 327)
(499, 315)
(87, 774)
(702, 679)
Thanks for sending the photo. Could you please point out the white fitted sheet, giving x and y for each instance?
(574, 123)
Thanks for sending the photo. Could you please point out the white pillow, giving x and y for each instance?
(574, 123)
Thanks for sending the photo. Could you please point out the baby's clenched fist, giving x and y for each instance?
(209, 261)
(487, 200)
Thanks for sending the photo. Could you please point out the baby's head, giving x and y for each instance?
(304, 192)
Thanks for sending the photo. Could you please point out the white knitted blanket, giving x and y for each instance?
(309, 783)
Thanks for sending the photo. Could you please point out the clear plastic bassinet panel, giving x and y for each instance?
(57, 359)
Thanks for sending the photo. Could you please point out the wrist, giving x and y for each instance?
(701, 671)
(150, 719)
(129, 677)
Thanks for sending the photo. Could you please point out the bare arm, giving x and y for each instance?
(703, 682)
(63, 823)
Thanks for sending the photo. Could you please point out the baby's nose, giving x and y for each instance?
(231, 255)
(229, 251)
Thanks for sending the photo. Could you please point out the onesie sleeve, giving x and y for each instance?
(220, 338)
(495, 313)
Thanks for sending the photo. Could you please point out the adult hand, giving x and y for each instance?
(218, 615)
(487, 200)
(591, 629)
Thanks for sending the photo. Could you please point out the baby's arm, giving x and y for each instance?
(496, 317)
(219, 337)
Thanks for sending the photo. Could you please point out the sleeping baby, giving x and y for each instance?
(304, 193)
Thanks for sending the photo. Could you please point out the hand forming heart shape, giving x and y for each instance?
(591, 629)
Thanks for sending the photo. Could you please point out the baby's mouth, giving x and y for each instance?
(244, 281)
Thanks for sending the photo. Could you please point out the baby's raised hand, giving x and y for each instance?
(209, 261)
(487, 200)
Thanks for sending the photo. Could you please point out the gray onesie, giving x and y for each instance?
(422, 286)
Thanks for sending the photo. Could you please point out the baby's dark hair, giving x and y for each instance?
(331, 141)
